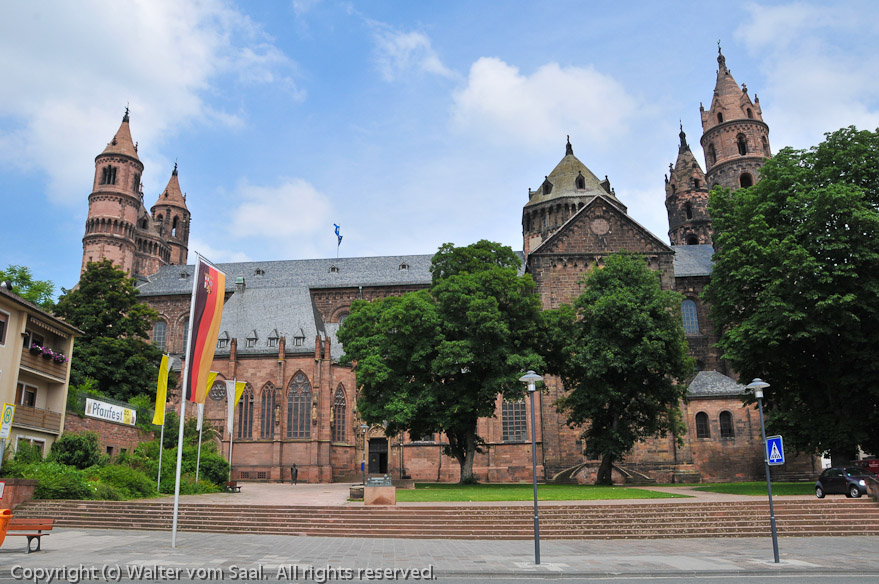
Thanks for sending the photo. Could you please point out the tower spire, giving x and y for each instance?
(568, 148)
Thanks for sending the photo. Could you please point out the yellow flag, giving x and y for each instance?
(212, 376)
(161, 392)
(239, 389)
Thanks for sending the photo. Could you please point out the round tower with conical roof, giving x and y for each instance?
(564, 191)
(114, 203)
(734, 136)
(686, 199)
(171, 218)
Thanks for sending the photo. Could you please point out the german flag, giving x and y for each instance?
(208, 294)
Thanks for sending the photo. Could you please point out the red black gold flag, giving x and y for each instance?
(208, 292)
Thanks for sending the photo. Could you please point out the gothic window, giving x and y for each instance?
(726, 425)
(185, 332)
(174, 227)
(581, 181)
(746, 181)
(159, 334)
(690, 316)
(299, 407)
(245, 414)
(750, 114)
(765, 147)
(689, 209)
(267, 411)
(513, 421)
(719, 118)
(339, 410)
(712, 154)
(742, 144)
(702, 428)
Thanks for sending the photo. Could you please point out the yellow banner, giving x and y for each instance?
(161, 393)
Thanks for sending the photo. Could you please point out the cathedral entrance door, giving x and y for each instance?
(378, 456)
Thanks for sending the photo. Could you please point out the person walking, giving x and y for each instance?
(294, 474)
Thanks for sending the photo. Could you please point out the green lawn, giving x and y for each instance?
(759, 488)
(435, 492)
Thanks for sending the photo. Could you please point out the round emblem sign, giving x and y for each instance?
(600, 226)
(218, 391)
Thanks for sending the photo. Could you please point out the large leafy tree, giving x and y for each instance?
(40, 292)
(622, 355)
(435, 360)
(795, 290)
(113, 350)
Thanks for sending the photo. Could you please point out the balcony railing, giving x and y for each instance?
(38, 419)
(49, 367)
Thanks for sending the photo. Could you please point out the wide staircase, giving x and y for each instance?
(802, 517)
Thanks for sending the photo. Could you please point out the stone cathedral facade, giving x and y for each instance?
(280, 319)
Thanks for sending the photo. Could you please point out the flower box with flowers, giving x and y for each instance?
(35, 349)
(59, 358)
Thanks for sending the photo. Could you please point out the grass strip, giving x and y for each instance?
(445, 492)
(758, 488)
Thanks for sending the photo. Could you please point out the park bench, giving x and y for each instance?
(233, 487)
(32, 529)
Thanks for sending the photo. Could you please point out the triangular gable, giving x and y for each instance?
(599, 227)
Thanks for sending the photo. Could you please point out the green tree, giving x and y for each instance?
(40, 292)
(113, 349)
(622, 355)
(795, 290)
(435, 360)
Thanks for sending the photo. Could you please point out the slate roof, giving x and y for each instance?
(714, 384)
(276, 295)
(693, 260)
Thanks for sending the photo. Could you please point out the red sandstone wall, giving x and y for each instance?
(110, 434)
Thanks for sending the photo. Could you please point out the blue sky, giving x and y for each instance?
(410, 124)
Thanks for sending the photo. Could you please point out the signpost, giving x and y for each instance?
(774, 450)
(5, 426)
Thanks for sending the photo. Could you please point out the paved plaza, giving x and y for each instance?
(71, 555)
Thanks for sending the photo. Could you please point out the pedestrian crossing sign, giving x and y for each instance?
(774, 450)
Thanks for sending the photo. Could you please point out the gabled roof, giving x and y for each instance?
(588, 208)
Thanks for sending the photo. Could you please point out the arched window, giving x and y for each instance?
(742, 143)
(268, 402)
(719, 118)
(702, 428)
(750, 114)
(245, 414)
(299, 407)
(581, 181)
(692, 240)
(513, 420)
(689, 209)
(766, 147)
(726, 425)
(185, 332)
(159, 334)
(746, 180)
(339, 410)
(690, 316)
(712, 154)
(174, 227)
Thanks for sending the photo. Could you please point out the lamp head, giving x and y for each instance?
(757, 386)
(531, 379)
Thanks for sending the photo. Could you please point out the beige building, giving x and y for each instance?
(35, 352)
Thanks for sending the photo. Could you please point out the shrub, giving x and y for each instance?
(213, 468)
(79, 450)
(58, 481)
(131, 483)
(106, 492)
(28, 453)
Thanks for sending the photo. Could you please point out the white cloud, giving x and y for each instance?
(818, 77)
(500, 103)
(285, 216)
(160, 56)
(397, 53)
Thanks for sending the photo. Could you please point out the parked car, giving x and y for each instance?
(850, 481)
(870, 464)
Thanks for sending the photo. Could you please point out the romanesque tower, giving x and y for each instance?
(686, 199)
(119, 227)
(114, 203)
(566, 189)
(734, 137)
(171, 218)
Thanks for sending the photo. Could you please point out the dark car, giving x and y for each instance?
(850, 481)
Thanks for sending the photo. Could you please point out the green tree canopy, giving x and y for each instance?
(622, 355)
(795, 290)
(40, 292)
(435, 360)
(113, 350)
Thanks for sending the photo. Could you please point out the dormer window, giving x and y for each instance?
(251, 339)
(403, 267)
(750, 114)
(580, 181)
(273, 338)
(259, 272)
(223, 340)
(298, 341)
(334, 269)
(547, 186)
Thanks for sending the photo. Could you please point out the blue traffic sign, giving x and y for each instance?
(774, 450)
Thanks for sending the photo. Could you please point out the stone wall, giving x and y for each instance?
(113, 438)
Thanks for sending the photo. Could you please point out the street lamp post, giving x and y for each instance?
(364, 428)
(531, 379)
(757, 386)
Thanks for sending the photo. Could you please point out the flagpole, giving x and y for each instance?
(231, 399)
(161, 447)
(200, 430)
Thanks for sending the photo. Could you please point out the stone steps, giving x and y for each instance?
(641, 520)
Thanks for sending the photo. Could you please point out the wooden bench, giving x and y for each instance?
(233, 487)
(32, 529)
